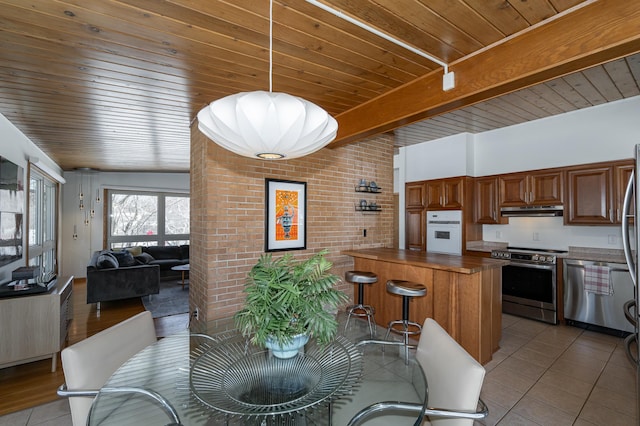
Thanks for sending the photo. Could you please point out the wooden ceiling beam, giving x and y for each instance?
(597, 33)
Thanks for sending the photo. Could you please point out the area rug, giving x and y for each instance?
(172, 299)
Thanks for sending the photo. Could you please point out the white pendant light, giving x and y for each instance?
(267, 125)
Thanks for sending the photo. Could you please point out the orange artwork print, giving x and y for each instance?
(286, 215)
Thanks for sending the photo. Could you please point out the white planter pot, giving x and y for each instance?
(289, 350)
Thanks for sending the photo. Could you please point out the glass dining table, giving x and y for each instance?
(211, 375)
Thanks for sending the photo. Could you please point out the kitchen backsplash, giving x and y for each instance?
(550, 233)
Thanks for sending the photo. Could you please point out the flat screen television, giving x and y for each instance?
(12, 205)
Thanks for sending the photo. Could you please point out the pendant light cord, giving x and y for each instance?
(270, 46)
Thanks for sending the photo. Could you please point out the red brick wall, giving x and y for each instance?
(228, 210)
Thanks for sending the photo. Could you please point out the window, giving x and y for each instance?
(147, 218)
(42, 238)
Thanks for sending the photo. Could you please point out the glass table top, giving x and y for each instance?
(213, 376)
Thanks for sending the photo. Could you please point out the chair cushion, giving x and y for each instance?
(89, 363)
(454, 377)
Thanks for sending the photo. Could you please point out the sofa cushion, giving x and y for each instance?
(106, 260)
(163, 252)
(144, 258)
(184, 249)
(166, 264)
(124, 258)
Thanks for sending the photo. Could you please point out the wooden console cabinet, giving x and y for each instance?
(35, 327)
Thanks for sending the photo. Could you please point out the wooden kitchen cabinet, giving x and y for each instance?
(486, 201)
(415, 216)
(590, 194)
(445, 194)
(543, 188)
(415, 227)
(622, 172)
(414, 195)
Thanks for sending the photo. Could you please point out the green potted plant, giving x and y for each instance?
(289, 301)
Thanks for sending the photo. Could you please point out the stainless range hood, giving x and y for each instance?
(532, 211)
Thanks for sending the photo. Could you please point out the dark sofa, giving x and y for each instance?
(117, 275)
(165, 256)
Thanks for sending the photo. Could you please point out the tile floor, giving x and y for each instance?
(558, 375)
(542, 375)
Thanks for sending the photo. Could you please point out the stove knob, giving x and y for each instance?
(535, 258)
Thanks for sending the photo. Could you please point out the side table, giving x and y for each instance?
(183, 269)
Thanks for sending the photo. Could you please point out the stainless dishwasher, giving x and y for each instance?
(597, 309)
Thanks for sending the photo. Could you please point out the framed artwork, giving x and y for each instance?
(285, 215)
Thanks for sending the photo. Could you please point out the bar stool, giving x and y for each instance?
(407, 290)
(360, 309)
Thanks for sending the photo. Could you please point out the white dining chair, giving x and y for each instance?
(89, 363)
(454, 380)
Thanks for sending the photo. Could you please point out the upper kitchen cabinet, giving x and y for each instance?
(596, 193)
(622, 173)
(486, 209)
(414, 195)
(445, 194)
(544, 188)
(590, 193)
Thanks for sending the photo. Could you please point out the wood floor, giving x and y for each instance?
(25, 386)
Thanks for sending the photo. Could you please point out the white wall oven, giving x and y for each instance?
(529, 283)
(444, 232)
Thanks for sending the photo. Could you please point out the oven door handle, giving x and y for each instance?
(626, 244)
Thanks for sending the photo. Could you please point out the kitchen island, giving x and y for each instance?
(464, 293)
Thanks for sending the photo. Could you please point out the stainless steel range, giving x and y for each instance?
(529, 283)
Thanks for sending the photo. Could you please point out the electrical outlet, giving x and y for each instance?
(195, 314)
(498, 234)
(536, 236)
(612, 239)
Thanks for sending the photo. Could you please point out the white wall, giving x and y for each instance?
(602, 133)
(77, 252)
(17, 148)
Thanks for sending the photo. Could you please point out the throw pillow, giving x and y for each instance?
(124, 258)
(144, 258)
(135, 251)
(106, 261)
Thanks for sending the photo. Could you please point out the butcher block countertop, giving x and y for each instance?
(444, 262)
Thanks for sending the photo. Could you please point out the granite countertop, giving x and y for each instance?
(446, 262)
(595, 254)
(579, 253)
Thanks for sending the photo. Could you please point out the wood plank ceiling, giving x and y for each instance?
(113, 85)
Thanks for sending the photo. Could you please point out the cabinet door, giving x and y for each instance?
(622, 176)
(435, 194)
(513, 190)
(414, 195)
(486, 201)
(415, 229)
(453, 193)
(545, 189)
(590, 196)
